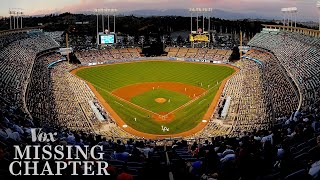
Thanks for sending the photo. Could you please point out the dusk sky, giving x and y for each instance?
(270, 8)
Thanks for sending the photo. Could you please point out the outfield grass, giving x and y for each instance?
(112, 77)
(108, 78)
(147, 100)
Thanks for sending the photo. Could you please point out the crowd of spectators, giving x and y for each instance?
(288, 151)
(299, 55)
(249, 106)
(101, 56)
(9, 37)
(16, 61)
(283, 93)
(199, 53)
(56, 35)
(127, 158)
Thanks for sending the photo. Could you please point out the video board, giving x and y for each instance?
(107, 39)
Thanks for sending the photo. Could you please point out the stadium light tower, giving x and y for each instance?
(295, 12)
(97, 13)
(290, 14)
(318, 6)
(14, 18)
(113, 13)
(284, 16)
(102, 19)
(202, 11)
(22, 13)
(10, 14)
(19, 13)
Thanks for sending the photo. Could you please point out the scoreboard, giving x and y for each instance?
(107, 39)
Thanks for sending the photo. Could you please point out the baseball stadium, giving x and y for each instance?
(209, 105)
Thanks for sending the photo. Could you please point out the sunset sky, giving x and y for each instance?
(270, 8)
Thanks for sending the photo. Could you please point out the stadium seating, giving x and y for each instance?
(299, 56)
(199, 53)
(17, 60)
(264, 136)
(277, 81)
(93, 56)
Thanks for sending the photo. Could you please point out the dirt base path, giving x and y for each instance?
(190, 132)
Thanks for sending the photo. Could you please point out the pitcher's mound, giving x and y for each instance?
(161, 100)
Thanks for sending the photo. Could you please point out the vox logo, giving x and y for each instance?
(38, 136)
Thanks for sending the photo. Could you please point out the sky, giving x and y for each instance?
(270, 8)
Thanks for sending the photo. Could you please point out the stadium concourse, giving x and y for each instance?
(271, 130)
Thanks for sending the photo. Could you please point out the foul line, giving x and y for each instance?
(125, 100)
(119, 103)
(193, 100)
(202, 101)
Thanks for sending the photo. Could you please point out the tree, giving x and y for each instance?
(136, 39)
(125, 40)
(179, 40)
(235, 54)
(169, 40)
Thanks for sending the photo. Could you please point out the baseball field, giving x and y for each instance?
(157, 97)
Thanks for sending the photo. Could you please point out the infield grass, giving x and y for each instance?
(173, 100)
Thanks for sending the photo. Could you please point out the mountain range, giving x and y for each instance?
(217, 13)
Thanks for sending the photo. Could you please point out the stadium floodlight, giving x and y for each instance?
(13, 15)
(285, 18)
(294, 11)
(283, 10)
(198, 11)
(15, 18)
(19, 12)
(22, 13)
(18, 15)
(318, 6)
(289, 12)
(10, 13)
(113, 13)
(102, 19)
(97, 13)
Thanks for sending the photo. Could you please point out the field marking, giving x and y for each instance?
(202, 101)
(193, 100)
(126, 100)
(119, 103)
